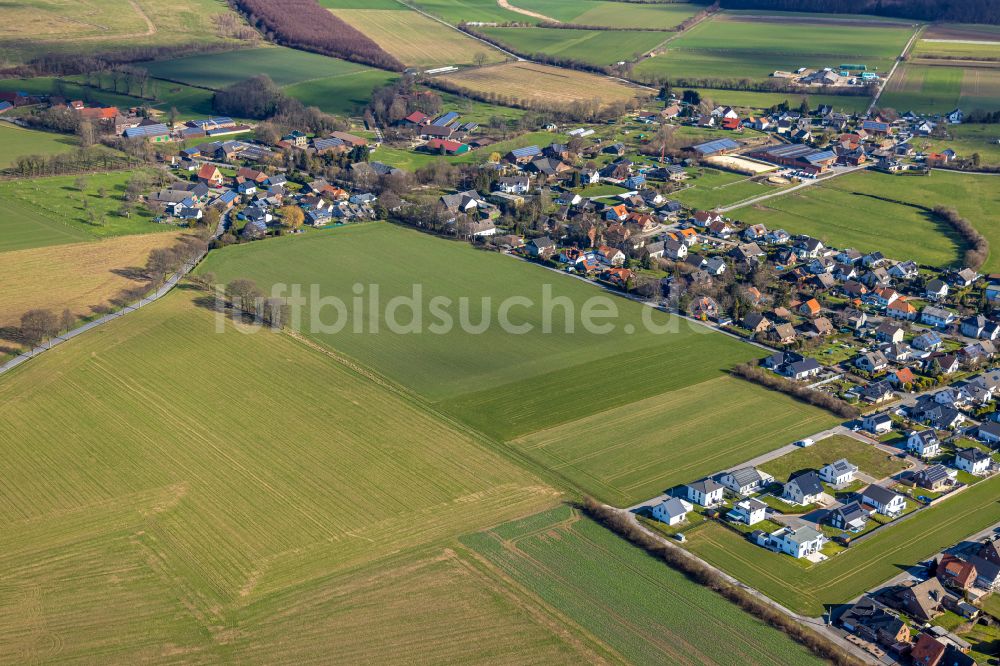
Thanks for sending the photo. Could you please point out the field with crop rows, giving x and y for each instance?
(172, 489)
(636, 451)
(939, 87)
(645, 611)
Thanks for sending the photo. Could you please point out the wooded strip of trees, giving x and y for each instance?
(702, 574)
(57, 64)
(959, 11)
(304, 24)
(771, 381)
(979, 247)
(77, 161)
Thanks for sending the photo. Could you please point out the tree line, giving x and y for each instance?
(979, 247)
(827, 401)
(959, 11)
(304, 24)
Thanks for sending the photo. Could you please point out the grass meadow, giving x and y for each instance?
(452, 11)
(966, 139)
(643, 611)
(17, 141)
(845, 210)
(872, 461)
(731, 47)
(52, 211)
(811, 589)
(710, 188)
(763, 100)
(416, 40)
(172, 490)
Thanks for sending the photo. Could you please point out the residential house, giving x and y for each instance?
(923, 443)
(989, 432)
(745, 481)
(877, 424)
(541, 248)
(802, 369)
(901, 309)
(706, 492)
(904, 270)
(755, 322)
(928, 342)
(803, 489)
(934, 478)
(923, 601)
(875, 623)
(936, 290)
(783, 333)
(748, 511)
(872, 362)
(877, 392)
(810, 308)
(889, 332)
(850, 517)
(672, 511)
(902, 378)
(987, 573)
(884, 501)
(956, 573)
(674, 249)
(934, 316)
(838, 473)
(704, 307)
(964, 277)
(210, 175)
(973, 327)
(800, 542)
(822, 326)
(973, 461)
(927, 651)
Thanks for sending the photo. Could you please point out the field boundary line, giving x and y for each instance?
(892, 72)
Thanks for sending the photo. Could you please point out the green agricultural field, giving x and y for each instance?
(175, 489)
(710, 188)
(810, 589)
(966, 139)
(16, 141)
(508, 385)
(846, 211)
(335, 86)
(610, 14)
(957, 49)
(582, 571)
(598, 47)
(872, 461)
(760, 100)
(51, 211)
(729, 47)
(636, 451)
(939, 88)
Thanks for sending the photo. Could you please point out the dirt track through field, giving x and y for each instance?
(503, 4)
(150, 27)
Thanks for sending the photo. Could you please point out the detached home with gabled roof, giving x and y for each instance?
(745, 481)
(748, 511)
(850, 517)
(803, 489)
(923, 443)
(838, 473)
(973, 461)
(883, 500)
(672, 511)
(706, 492)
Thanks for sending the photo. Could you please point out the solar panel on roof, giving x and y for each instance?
(716, 146)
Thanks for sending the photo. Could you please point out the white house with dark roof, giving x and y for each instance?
(671, 511)
(850, 517)
(803, 489)
(799, 542)
(923, 443)
(706, 492)
(748, 511)
(883, 500)
(745, 481)
(838, 473)
(973, 461)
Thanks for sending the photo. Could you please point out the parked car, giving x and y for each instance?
(805, 442)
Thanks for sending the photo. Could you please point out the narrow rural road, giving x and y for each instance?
(503, 4)
(165, 289)
(885, 82)
(789, 190)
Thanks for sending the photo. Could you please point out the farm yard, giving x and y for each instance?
(809, 589)
(633, 452)
(644, 611)
(122, 475)
(416, 40)
(596, 47)
(846, 210)
(712, 48)
(534, 83)
(52, 211)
